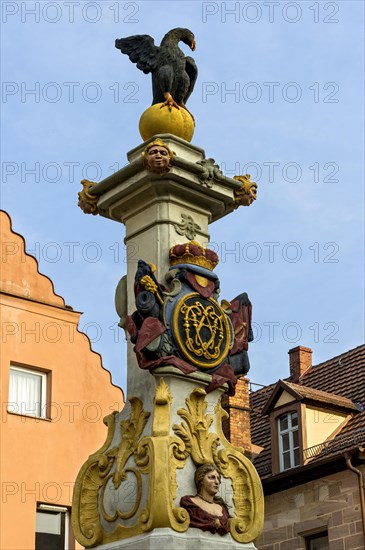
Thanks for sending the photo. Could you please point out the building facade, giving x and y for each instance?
(311, 427)
(55, 393)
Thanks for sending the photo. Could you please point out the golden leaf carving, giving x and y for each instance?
(199, 442)
(131, 429)
(161, 416)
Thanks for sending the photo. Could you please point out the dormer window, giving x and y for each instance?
(288, 435)
(303, 420)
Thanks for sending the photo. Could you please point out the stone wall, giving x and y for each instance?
(331, 503)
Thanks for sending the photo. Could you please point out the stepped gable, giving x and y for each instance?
(19, 274)
(342, 376)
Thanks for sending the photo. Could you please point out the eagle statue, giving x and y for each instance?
(173, 74)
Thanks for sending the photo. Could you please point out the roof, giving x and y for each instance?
(19, 274)
(341, 381)
(301, 393)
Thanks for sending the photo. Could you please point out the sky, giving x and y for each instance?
(280, 95)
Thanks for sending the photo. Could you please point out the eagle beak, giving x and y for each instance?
(193, 45)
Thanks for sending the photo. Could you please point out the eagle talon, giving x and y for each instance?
(170, 102)
(170, 105)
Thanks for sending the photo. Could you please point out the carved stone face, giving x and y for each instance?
(158, 159)
(211, 483)
(252, 193)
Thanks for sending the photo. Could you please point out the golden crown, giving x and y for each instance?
(193, 253)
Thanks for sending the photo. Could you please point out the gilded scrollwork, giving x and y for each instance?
(150, 462)
(88, 202)
(109, 466)
(159, 456)
(85, 513)
(248, 497)
(161, 417)
(137, 495)
(131, 430)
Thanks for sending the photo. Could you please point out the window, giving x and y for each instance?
(27, 392)
(288, 441)
(317, 542)
(52, 527)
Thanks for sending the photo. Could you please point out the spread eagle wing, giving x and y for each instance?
(141, 50)
(192, 70)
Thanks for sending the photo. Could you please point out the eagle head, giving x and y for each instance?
(188, 38)
(185, 35)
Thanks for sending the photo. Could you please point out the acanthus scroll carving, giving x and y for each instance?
(187, 227)
(206, 446)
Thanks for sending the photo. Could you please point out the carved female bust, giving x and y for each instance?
(207, 511)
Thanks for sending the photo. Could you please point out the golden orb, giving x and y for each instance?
(158, 119)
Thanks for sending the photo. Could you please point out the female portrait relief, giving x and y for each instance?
(207, 511)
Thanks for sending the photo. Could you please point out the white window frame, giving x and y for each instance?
(289, 431)
(17, 407)
(44, 508)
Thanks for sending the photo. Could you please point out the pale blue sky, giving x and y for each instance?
(307, 155)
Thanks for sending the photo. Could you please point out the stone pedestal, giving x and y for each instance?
(167, 539)
(134, 484)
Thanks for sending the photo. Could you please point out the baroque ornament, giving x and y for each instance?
(205, 446)
(187, 227)
(106, 509)
(88, 202)
(202, 331)
(185, 326)
(139, 458)
(176, 323)
(109, 466)
(211, 171)
(247, 194)
(158, 157)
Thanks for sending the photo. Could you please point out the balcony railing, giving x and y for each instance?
(351, 439)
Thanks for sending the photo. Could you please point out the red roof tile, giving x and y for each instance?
(341, 379)
(322, 396)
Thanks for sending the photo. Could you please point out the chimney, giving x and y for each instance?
(237, 427)
(300, 360)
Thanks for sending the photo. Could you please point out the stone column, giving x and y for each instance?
(152, 208)
(127, 494)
